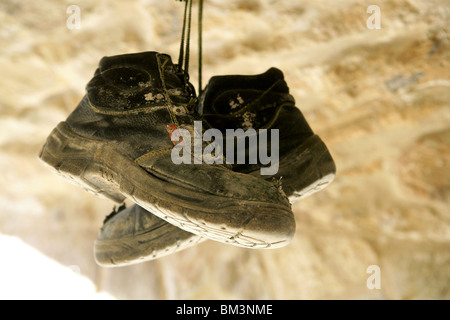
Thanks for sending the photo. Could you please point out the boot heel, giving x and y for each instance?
(308, 169)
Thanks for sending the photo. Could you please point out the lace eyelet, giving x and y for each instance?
(179, 111)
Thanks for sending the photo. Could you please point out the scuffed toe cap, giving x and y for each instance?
(215, 180)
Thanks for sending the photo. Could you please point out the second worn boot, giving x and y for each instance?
(263, 101)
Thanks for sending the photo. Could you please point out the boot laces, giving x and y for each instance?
(184, 55)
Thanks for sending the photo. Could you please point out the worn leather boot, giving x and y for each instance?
(263, 102)
(117, 143)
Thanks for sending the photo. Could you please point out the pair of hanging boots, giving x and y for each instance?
(126, 138)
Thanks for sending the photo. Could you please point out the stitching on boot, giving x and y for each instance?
(166, 93)
(150, 155)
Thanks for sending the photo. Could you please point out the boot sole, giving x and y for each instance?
(102, 169)
(150, 245)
